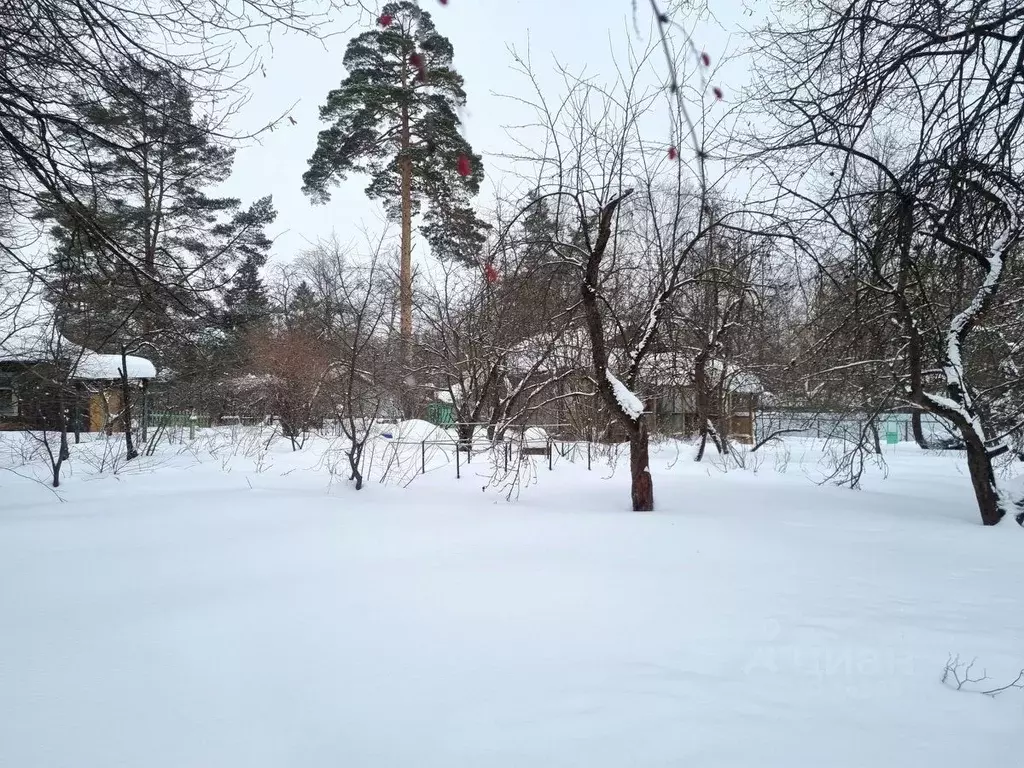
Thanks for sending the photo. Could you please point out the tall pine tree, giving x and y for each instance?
(305, 312)
(395, 118)
(245, 298)
(152, 160)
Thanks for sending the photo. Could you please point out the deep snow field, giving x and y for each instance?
(217, 607)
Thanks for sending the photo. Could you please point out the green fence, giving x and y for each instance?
(441, 414)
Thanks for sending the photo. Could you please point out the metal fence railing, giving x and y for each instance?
(846, 426)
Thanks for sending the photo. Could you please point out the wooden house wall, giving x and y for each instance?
(36, 395)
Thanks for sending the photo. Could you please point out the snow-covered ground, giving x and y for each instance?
(212, 606)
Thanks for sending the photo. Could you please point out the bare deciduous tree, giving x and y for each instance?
(945, 194)
(631, 225)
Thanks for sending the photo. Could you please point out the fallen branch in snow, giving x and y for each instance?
(957, 674)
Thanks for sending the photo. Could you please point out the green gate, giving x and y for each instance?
(441, 414)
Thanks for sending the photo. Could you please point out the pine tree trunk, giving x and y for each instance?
(639, 466)
(405, 271)
(407, 397)
(405, 276)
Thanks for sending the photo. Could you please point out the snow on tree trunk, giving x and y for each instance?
(630, 404)
(957, 404)
(641, 484)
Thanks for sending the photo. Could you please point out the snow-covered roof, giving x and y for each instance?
(93, 365)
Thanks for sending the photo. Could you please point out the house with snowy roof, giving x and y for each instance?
(670, 387)
(42, 373)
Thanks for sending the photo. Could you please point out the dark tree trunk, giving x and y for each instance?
(702, 445)
(639, 467)
(875, 440)
(704, 395)
(915, 423)
(108, 417)
(145, 412)
(126, 407)
(291, 433)
(642, 486)
(63, 449)
(983, 479)
(724, 406)
(723, 428)
(702, 430)
(62, 455)
(708, 430)
(465, 435)
(78, 412)
(64, 452)
(492, 423)
(355, 456)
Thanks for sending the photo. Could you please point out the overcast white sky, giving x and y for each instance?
(580, 33)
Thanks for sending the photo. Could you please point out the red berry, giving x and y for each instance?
(706, 59)
(464, 167)
(385, 20)
(672, 153)
(718, 92)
